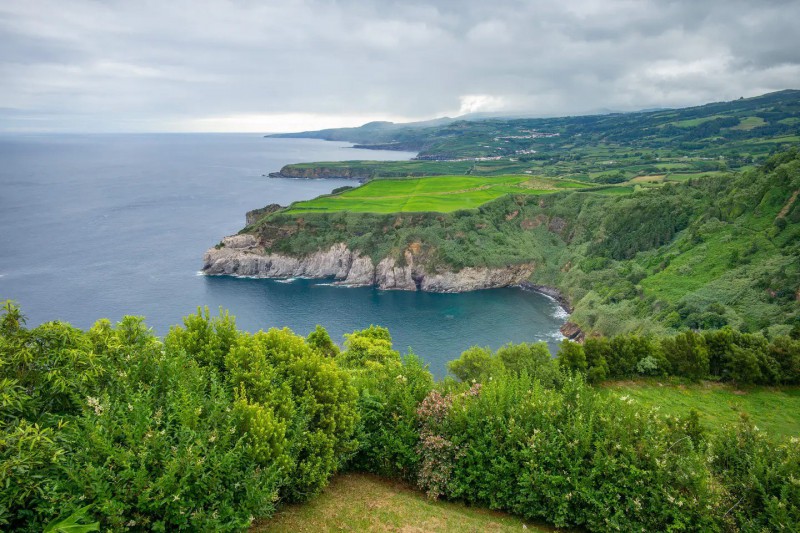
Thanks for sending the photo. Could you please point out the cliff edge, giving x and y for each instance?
(243, 255)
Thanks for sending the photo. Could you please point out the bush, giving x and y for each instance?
(566, 455)
(205, 431)
(388, 394)
(479, 364)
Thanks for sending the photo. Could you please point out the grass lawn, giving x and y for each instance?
(749, 123)
(692, 122)
(438, 193)
(775, 410)
(362, 502)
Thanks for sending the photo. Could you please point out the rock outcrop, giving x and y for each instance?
(573, 332)
(244, 255)
(322, 172)
(251, 217)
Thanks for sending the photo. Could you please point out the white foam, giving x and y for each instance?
(198, 273)
(287, 280)
(340, 285)
(560, 313)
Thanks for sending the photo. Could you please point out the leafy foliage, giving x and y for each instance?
(204, 431)
(179, 435)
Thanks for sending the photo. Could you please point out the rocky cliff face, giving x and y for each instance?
(290, 171)
(244, 255)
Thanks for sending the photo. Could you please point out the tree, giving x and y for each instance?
(475, 364)
(571, 356)
(531, 358)
(687, 354)
(320, 341)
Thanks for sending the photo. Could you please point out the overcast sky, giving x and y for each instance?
(283, 65)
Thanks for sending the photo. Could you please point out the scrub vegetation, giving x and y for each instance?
(212, 428)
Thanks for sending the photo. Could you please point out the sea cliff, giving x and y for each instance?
(322, 172)
(243, 255)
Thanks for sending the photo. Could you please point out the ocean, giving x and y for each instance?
(102, 226)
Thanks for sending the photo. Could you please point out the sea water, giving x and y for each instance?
(102, 226)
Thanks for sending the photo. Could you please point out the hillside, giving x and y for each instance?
(600, 148)
(645, 222)
(701, 253)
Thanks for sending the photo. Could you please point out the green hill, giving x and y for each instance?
(600, 148)
(700, 253)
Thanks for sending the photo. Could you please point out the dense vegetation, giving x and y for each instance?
(689, 217)
(213, 427)
(720, 355)
(704, 253)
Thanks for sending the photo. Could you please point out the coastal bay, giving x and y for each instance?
(109, 225)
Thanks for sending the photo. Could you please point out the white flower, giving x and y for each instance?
(94, 403)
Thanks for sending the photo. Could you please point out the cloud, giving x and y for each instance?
(118, 65)
(477, 103)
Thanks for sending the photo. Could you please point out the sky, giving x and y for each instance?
(284, 65)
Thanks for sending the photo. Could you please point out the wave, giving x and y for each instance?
(287, 280)
(340, 285)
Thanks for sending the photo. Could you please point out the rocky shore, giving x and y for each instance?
(570, 329)
(243, 255)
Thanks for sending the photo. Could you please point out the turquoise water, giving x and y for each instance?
(107, 225)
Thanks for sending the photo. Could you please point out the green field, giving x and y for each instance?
(362, 502)
(440, 194)
(775, 410)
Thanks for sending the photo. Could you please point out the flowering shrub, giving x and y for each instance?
(437, 453)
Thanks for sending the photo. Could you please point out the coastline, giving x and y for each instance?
(244, 257)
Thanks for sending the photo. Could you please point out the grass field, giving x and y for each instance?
(438, 193)
(749, 123)
(690, 123)
(362, 502)
(774, 410)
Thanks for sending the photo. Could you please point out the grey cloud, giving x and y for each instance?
(122, 65)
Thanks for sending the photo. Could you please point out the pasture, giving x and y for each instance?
(438, 194)
(775, 410)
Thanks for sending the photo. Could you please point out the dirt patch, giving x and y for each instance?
(788, 204)
(528, 224)
(655, 178)
(557, 225)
